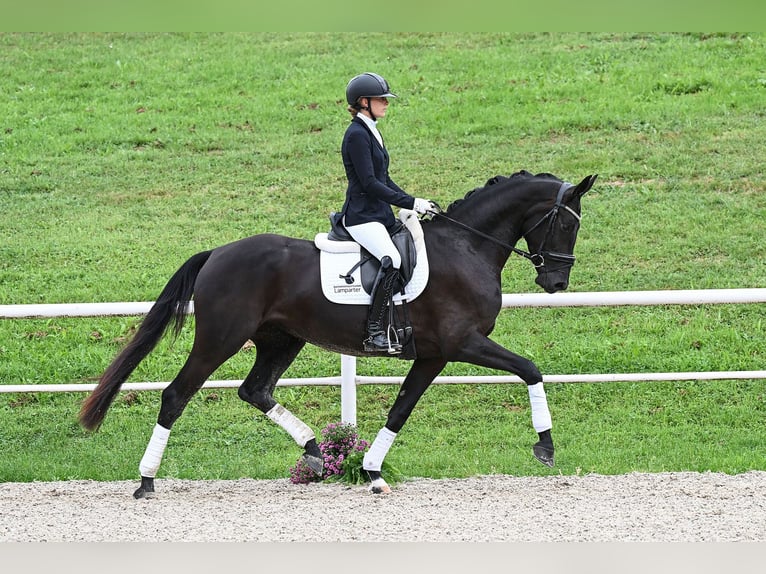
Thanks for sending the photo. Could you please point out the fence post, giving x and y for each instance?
(348, 389)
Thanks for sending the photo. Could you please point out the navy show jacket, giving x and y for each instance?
(370, 191)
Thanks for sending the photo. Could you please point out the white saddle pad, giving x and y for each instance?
(337, 257)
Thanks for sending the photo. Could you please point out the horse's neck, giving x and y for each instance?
(500, 220)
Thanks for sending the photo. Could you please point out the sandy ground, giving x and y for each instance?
(665, 507)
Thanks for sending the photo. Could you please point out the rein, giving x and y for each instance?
(537, 259)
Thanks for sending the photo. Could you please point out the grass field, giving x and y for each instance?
(123, 154)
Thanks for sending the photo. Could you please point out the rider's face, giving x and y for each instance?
(378, 107)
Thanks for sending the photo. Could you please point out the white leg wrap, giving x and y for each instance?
(541, 416)
(373, 458)
(154, 451)
(297, 429)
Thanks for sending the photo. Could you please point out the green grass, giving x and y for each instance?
(123, 154)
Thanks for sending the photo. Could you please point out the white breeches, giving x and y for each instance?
(374, 237)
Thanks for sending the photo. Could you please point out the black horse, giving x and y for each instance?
(266, 289)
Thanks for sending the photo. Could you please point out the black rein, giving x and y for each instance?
(537, 259)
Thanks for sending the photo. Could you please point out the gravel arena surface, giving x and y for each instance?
(637, 507)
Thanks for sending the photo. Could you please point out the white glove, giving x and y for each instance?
(422, 206)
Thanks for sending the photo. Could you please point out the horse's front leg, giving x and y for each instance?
(422, 372)
(482, 351)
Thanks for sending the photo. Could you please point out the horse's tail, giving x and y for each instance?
(170, 306)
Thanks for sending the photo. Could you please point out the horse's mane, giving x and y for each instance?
(500, 179)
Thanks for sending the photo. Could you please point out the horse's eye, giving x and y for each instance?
(567, 226)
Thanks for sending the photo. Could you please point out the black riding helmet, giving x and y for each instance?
(367, 85)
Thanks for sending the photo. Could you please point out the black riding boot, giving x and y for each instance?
(382, 294)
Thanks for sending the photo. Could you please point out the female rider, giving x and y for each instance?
(367, 213)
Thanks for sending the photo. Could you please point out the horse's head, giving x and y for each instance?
(541, 208)
(551, 236)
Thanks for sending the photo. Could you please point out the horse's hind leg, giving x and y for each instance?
(276, 350)
(175, 397)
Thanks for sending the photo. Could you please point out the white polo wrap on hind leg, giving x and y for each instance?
(373, 458)
(297, 429)
(154, 451)
(541, 416)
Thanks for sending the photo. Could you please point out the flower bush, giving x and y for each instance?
(342, 451)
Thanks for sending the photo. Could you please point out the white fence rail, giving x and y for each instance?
(588, 299)
(348, 379)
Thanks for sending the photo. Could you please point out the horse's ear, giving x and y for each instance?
(585, 185)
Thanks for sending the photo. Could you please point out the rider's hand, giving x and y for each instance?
(422, 206)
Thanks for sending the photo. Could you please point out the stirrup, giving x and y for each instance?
(394, 346)
(389, 346)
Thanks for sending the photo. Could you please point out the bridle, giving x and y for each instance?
(537, 259)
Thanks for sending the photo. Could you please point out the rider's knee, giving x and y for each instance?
(386, 263)
(393, 260)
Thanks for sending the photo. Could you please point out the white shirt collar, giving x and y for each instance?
(373, 125)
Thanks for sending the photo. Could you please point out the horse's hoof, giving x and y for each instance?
(377, 484)
(316, 464)
(543, 453)
(146, 490)
(380, 486)
(141, 492)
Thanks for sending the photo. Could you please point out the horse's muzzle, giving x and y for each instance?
(553, 274)
(552, 282)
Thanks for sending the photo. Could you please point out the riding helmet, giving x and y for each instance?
(367, 85)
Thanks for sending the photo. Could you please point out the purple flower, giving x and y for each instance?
(338, 441)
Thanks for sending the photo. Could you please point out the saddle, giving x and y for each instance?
(368, 263)
(347, 270)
